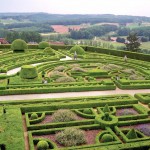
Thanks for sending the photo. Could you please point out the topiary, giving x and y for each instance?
(107, 138)
(49, 51)
(132, 134)
(42, 145)
(28, 72)
(19, 45)
(106, 108)
(63, 115)
(79, 50)
(65, 79)
(43, 45)
(87, 111)
(71, 137)
(33, 116)
(78, 69)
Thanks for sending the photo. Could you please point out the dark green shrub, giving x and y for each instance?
(63, 115)
(71, 137)
(107, 138)
(79, 50)
(42, 145)
(33, 116)
(65, 79)
(106, 109)
(49, 51)
(132, 134)
(87, 111)
(43, 45)
(28, 72)
(19, 45)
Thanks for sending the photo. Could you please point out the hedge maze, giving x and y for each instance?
(114, 122)
(91, 71)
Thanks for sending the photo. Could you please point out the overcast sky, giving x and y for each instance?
(118, 7)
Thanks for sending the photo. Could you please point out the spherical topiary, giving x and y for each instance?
(18, 45)
(33, 116)
(42, 145)
(107, 138)
(63, 115)
(71, 137)
(43, 45)
(79, 50)
(87, 111)
(49, 51)
(28, 72)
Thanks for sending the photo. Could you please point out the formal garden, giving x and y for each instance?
(109, 122)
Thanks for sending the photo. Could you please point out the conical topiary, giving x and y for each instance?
(132, 134)
(106, 108)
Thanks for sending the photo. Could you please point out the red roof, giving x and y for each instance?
(57, 43)
(3, 41)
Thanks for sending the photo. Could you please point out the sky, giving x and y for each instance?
(117, 7)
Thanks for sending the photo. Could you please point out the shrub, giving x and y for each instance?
(63, 115)
(111, 67)
(56, 74)
(42, 145)
(136, 77)
(43, 45)
(28, 72)
(106, 108)
(60, 68)
(65, 79)
(87, 111)
(107, 138)
(18, 45)
(79, 50)
(129, 71)
(33, 116)
(78, 69)
(132, 134)
(49, 51)
(71, 137)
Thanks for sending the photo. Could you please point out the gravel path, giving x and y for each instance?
(71, 94)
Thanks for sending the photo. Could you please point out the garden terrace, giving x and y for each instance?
(93, 72)
(117, 119)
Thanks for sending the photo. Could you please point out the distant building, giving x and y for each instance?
(56, 43)
(113, 39)
(3, 41)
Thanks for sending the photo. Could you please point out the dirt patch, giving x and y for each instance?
(48, 119)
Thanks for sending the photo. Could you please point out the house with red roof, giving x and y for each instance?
(3, 41)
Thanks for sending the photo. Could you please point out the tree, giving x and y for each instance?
(132, 43)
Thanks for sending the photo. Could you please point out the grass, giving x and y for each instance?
(11, 130)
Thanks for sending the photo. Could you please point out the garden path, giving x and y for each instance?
(71, 94)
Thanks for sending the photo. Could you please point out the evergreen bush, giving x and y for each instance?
(71, 137)
(28, 72)
(64, 115)
(42, 145)
(79, 50)
(107, 138)
(19, 45)
(43, 45)
(33, 116)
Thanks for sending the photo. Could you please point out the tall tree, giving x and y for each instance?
(132, 43)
